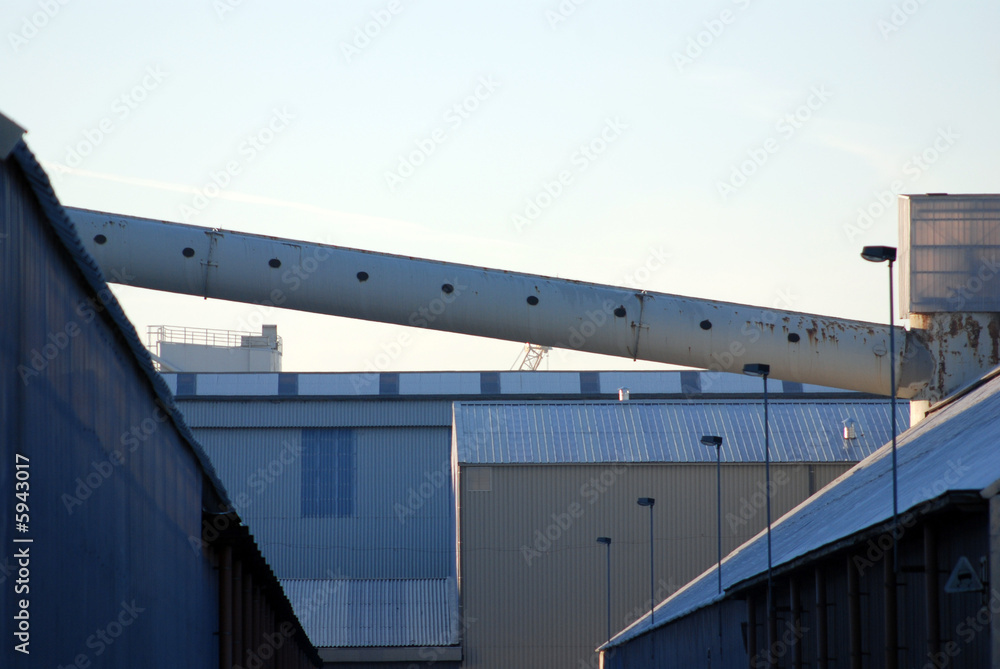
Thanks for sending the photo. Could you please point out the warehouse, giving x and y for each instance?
(390, 550)
(539, 482)
(842, 594)
(124, 551)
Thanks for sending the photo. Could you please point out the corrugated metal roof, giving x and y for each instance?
(664, 431)
(953, 450)
(350, 613)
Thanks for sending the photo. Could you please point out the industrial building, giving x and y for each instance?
(385, 556)
(841, 598)
(120, 546)
(540, 481)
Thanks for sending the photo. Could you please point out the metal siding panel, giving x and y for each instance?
(238, 413)
(402, 525)
(530, 383)
(954, 243)
(338, 384)
(128, 538)
(439, 383)
(530, 562)
(237, 384)
(641, 382)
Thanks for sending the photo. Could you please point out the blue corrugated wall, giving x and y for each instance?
(113, 579)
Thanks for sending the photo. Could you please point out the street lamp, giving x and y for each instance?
(607, 542)
(882, 254)
(716, 443)
(649, 501)
(762, 370)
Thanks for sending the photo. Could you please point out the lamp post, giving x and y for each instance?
(607, 542)
(716, 443)
(882, 254)
(762, 370)
(649, 501)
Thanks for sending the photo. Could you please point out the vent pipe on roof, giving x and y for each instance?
(623, 394)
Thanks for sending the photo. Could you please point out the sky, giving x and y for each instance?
(737, 150)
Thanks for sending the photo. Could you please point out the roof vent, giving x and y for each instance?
(850, 429)
(623, 394)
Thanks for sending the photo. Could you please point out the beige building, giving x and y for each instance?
(539, 482)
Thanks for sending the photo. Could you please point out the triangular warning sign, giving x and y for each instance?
(963, 578)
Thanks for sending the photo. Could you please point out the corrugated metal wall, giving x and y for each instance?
(119, 562)
(533, 579)
(318, 413)
(402, 525)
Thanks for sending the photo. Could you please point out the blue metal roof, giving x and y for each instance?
(374, 613)
(665, 431)
(953, 450)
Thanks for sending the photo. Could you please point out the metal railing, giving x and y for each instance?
(157, 334)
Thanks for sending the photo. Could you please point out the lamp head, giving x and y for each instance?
(646, 501)
(711, 440)
(879, 253)
(604, 540)
(756, 369)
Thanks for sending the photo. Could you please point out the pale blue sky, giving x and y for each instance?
(779, 239)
